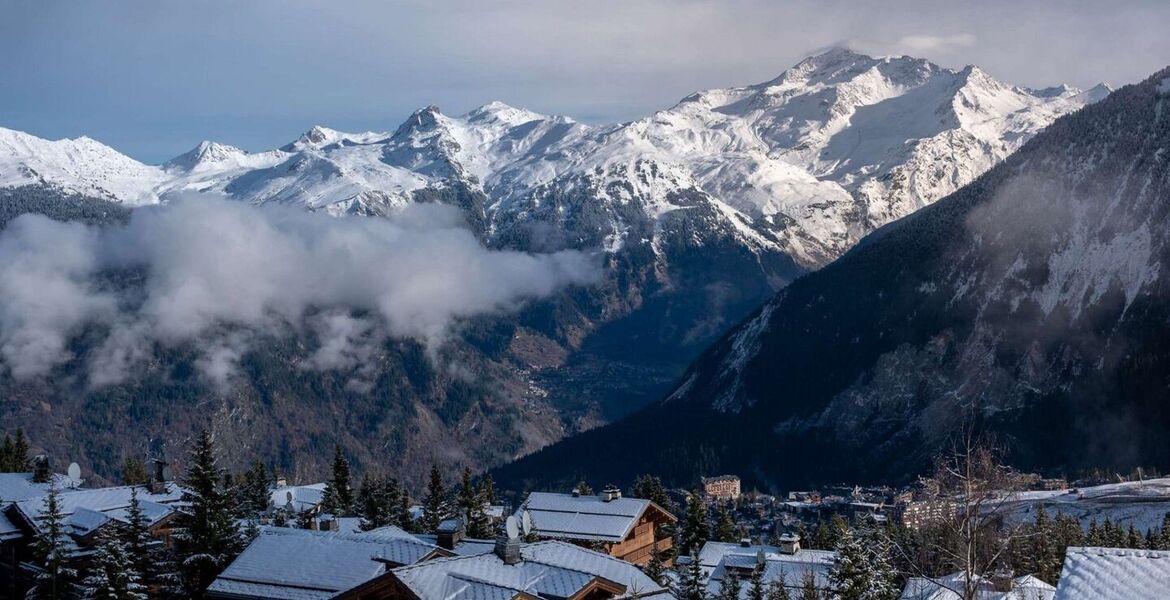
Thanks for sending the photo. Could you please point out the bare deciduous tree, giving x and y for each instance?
(972, 489)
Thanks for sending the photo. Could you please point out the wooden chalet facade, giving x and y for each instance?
(625, 528)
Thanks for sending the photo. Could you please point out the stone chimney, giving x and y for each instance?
(1001, 579)
(789, 543)
(610, 493)
(508, 549)
(450, 533)
(159, 476)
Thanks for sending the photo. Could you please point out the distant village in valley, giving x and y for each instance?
(974, 530)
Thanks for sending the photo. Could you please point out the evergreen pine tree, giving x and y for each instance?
(725, 525)
(850, 575)
(255, 494)
(756, 589)
(338, 494)
(481, 527)
(1095, 537)
(884, 578)
(7, 455)
(1045, 562)
(729, 586)
(56, 579)
(435, 503)
(19, 453)
(113, 575)
(696, 531)
(1133, 539)
(138, 542)
(822, 537)
(371, 503)
(650, 488)
(471, 508)
(206, 538)
(487, 490)
(690, 581)
(133, 471)
(584, 488)
(778, 589)
(654, 569)
(808, 587)
(1153, 540)
(1115, 535)
(1165, 531)
(401, 512)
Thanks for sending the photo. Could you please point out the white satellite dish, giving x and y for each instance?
(526, 522)
(512, 528)
(74, 472)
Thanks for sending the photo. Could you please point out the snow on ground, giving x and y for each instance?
(1142, 503)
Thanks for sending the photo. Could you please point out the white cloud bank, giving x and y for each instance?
(208, 270)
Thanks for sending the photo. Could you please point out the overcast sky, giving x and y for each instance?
(153, 78)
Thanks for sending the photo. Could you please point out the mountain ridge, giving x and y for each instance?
(698, 213)
(1033, 301)
(804, 163)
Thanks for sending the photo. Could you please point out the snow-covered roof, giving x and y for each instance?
(549, 569)
(717, 557)
(584, 517)
(15, 487)
(464, 547)
(298, 498)
(84, 521)
(152, 511)
(1114, 574)
(8, 529)
(301, 564)
(948, 587)
(111, 501)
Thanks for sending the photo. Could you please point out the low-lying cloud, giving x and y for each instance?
(210, 271)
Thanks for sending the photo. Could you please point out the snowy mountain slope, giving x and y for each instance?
(1142, 503)
(700, 212)
(1034, 300)
(804, 164)
(81, 165)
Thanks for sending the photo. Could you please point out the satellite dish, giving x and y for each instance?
(526, 522)
(167, 474)
(74, 472)
(512, 528)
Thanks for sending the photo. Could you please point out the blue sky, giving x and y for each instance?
(153, 78)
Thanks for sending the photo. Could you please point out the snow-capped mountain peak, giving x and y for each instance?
(207, 154)
(803, 164)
